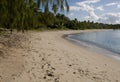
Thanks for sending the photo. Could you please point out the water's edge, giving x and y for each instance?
(92, 47)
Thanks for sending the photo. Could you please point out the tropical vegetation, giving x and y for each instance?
(25, 15)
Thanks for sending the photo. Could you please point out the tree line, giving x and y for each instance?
(29, 14)
(75, 24)
(39, 14)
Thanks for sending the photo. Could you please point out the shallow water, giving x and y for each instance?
(109, 40)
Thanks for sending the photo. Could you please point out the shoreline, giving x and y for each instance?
(93, 47)
(48, 57)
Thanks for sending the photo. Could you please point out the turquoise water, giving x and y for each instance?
(109, 40)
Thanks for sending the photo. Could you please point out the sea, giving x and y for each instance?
(107, 42)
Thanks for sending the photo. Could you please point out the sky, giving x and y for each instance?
(102, 11)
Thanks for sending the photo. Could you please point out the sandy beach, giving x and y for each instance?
(48, 57)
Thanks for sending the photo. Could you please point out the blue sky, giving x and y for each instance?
(104, 11)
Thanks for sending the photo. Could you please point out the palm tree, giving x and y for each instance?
(56, 4)
(21, 14)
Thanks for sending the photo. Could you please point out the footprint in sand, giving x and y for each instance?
(34, 75)
(0, 77)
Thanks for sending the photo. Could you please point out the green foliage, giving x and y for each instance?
(25, 14)
(56, 4)
(17, 14)
(75, 24)
(35, 14)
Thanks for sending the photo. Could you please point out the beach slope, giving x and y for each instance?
(48, 57)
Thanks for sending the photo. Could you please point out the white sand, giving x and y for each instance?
(47, 57)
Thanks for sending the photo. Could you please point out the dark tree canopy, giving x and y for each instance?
(25, 14)
(36, 14)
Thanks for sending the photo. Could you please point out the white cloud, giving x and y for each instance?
(100, 8)
(110, 18)
(88, 2)
(111, 4)
(118, 5)
(86, 6)
(71, 14)
(75, 8)
(87, 17)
